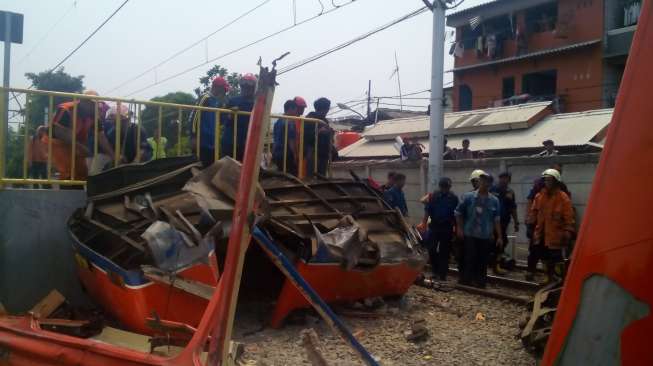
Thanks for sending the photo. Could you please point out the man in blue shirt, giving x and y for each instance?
(242, 103)
(477, 218)
(395, 195)
(205, 120)
(324, 143)
(440, 209)
(282, 145)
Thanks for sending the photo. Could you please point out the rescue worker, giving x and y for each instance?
(395, 195)
(158, 146)
(282, 145)
(324, 143)
(440, 209)
(474, 178)
(477, 218)
(62, 138)
(390, 182)
(301, 106)
(204, 121)
(129, 146)
(508, 204)
(241, 103)
(554, 224)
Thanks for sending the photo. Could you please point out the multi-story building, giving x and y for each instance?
(570, 51)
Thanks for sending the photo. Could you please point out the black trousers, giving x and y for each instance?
(439, 250)
(291, 163)
(38, 170)
(476, 256)
(542, 253)
(207, 156)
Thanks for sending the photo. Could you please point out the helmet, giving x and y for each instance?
(220, 81)
(552, 173)
(476, 174)
(248, 79)
(91, 92)
(301, 103)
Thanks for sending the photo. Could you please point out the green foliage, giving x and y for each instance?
(217, 70)
(57, 80)
(170, 116)
(15, 152)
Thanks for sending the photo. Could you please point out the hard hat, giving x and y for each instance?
(248, 79)
(476, 174)
(220, 81)
(301, 103)
(552, 173)
(91, 92)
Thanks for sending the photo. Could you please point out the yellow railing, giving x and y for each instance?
(137, 106)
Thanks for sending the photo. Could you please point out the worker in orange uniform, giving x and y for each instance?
(554, 224)
(62, 138)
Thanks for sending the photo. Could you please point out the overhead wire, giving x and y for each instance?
(350, 42)
(89, 36)
(47, 33)
(264, 38)
(185, 49)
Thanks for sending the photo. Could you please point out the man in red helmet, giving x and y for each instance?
(204, 121)
(243, 103)
(301, 105)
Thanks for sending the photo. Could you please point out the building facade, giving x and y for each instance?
(570, 51)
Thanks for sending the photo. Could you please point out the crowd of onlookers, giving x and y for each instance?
(474, 226)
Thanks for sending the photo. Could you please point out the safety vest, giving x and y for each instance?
(158, 150)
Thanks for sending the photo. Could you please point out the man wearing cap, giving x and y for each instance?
(553, 219)
(477, 219)
(204, 121)
(324, 143)
(549, 149)
(244, 102)
(440, 209)
(508, 204)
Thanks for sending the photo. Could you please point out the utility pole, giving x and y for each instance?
(369, 98)
(436, 125)
(401, 98)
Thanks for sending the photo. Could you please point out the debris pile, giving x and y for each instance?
(165, 225)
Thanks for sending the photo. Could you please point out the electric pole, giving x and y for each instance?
(369, 98)
(436, 122)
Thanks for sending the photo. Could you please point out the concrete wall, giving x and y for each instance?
(35, 248)
(578, 174)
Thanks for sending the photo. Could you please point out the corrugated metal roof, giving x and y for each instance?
(480, 120)
(491, 9)
(569, 129)
(528, 55)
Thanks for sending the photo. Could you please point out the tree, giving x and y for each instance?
(217, 70)
(169, 123)
(57, 80)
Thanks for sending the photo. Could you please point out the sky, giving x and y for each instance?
(145, 32)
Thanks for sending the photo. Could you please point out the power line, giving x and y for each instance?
(239, 48)
(350, 42)
(89, 36)
(47, 34)
(182, 51)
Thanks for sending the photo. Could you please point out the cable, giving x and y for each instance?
(239, 49)
(47, 33)
(89, 37)
(350, 42)
(182, 51)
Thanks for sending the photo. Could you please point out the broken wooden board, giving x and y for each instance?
(48, 305)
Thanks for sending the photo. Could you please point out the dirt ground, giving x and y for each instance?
(458, 334)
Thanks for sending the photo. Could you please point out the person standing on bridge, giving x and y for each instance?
(62, 138)
(324, 142)
(477, 218)
(285, 140)
(204, 121)
(553, 219)
(239, 125)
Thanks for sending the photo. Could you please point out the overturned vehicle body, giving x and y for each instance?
(152, 238)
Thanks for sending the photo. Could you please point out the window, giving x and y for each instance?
(541, 85)
(464, 98)
(542, 18)
(508, 89)
(501, 26)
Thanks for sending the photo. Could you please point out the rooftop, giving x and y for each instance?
(490, 9)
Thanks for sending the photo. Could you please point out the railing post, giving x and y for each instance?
(235, 156)
(4, 123)
(74, 140)
(158, 135)
(96, 118)
(300, 162)
(317, 126)
(50, 128)
(26, 136)
(117, 128)
(285, 145)
(216, 136)
(179, 114)
(138, 133)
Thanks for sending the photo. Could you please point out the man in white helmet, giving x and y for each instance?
(477, 220)
(552, 216)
